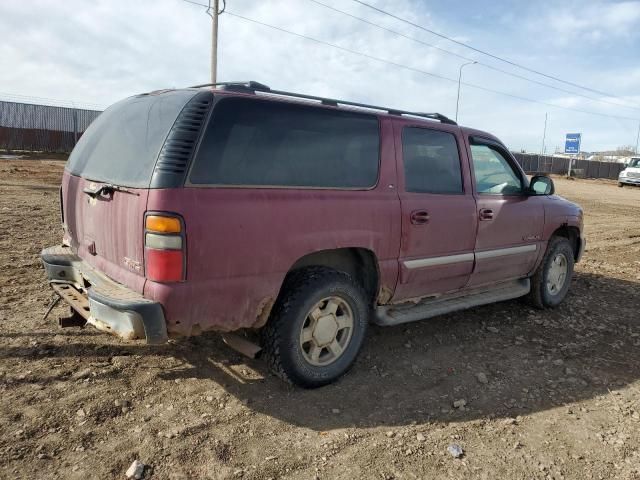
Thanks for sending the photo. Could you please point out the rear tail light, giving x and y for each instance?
(164, 247)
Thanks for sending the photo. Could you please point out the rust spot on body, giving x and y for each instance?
(263, 311)
(384, 295)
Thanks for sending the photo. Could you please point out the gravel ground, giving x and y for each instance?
(524, 393)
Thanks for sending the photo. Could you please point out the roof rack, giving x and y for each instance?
(253, 87)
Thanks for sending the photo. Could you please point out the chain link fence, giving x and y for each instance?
(532, 163)
(42, 128)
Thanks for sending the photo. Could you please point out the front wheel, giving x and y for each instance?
(620, 184)
(316, 328)
(550, 283)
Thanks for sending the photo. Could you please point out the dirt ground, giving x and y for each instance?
(552, 394)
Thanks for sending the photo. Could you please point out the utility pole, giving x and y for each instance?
(544, 133)
(459, 82)
(637, 138)
(214, 13)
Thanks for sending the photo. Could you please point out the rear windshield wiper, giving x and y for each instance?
(106, 189)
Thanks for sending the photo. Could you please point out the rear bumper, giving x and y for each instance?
(107, 305)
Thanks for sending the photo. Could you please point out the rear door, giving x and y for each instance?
(106, 183)
(438, 210)
(510, 222)
(106, 230)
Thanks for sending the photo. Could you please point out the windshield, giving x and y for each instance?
(634, 163)
(122, 145)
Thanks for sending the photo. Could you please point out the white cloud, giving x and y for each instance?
(104, 50)
(602, 21)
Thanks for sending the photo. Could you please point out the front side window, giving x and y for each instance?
(266, 143)
(431, 161)
(493, 173)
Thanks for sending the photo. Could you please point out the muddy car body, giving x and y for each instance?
(239, 207)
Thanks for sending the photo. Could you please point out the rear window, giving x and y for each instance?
(266, 143)
(122, 145)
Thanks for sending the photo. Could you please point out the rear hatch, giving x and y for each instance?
(107, 179)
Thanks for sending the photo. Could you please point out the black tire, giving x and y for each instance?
(281, 342)
(620, 184)
(540, 296)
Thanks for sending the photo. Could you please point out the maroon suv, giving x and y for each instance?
(239, 208)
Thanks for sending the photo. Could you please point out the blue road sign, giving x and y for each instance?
(572, 143)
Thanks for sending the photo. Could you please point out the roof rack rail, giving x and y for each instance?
(252, 86)
(248, 85)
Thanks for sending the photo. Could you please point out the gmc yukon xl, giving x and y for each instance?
(295, 221)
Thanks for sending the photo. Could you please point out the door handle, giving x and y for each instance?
(486, 214)
(419, 217)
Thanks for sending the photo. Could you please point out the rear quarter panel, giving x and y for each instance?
(242, 241)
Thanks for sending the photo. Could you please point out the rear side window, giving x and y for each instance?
(431, 161)
(266, 143)
(122, 145)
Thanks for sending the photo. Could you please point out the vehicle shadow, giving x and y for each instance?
(530, 360)
(503, 360)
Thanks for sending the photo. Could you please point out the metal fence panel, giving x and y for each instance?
(532, 163)
(42, 128)
(592, 170)
(616, 168)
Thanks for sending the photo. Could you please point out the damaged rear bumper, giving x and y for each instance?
(102, 302)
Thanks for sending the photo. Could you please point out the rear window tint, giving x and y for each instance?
(122, 145)
(266, 143)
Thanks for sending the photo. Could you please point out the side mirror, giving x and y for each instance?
(541, 185)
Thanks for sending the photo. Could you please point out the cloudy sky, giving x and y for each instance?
(96, 52)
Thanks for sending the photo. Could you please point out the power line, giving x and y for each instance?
(413, 69)
(468, 59)
(417, 70)
(483, 52)
(196, 3)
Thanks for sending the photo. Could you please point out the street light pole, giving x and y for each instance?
(544, 133)
(459, 82)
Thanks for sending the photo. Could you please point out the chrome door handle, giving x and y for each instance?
(419, 217)
(486, 214)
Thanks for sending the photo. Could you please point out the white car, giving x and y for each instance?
(631, 174)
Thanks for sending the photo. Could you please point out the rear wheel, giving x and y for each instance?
(316, 328)
(550, 283)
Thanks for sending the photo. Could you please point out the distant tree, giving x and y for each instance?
(625, 151)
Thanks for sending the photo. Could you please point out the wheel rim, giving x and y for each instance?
(326, 331)
(557, 274)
